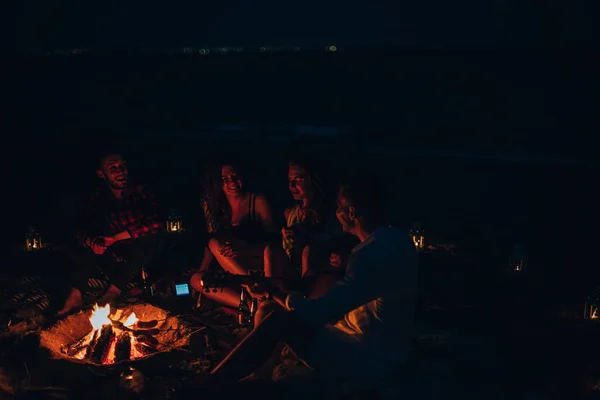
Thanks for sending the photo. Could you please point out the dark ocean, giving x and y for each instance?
(485, 148)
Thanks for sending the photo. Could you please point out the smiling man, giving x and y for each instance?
(117, 230)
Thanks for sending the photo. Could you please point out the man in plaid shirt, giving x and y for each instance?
(117, 229)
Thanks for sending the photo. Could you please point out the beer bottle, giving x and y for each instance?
(243, 310)
(147, 290)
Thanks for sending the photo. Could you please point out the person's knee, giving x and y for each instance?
(264, 308)
(196, 281)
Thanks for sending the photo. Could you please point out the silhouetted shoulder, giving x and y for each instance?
(386, 242)
(393, 233)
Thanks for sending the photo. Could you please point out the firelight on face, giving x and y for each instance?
(114, 171)
(297, 182)
(232, 184)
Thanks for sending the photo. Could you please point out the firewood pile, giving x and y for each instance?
(104, 336)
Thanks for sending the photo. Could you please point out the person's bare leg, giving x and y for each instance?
(258, 346)
(226, 296)
(251, 353)
(263, 310)
(74, 300)
(227, 263)
(306, 261)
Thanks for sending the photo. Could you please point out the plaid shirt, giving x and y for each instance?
(137, 212)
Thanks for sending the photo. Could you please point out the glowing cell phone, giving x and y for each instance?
(182, 289)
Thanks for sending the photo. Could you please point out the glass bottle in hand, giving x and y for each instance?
(243, 310)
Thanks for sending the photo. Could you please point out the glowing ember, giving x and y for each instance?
(112, 340)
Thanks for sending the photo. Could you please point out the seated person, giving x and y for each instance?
(117, 230)
(359, 329)
(292, 257)
(239, 223)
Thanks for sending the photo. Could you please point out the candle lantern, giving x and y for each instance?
(590, 311)
(33, 240)
(518, 259)
(174, 223)
(418, 235)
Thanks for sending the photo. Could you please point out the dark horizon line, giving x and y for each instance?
(231, 50)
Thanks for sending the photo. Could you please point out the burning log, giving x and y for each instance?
(147, 324)
(144, 350)
(102, 344)
(148, 341)
(136, 332)
(146, 332)
(109, 355)
(123, 347)
(75, 348)
(90, 348)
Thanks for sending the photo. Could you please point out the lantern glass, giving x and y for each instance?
(591, 309)
(518, 259)
(174, 223)
(418, 235)
(33, 240)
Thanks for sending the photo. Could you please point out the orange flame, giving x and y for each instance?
(131, 320)
(101, 317)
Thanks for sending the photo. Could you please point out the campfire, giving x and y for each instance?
(112, 340)
(106, 336)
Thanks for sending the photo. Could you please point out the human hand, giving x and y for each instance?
(228, 251)
(256, 291)
(97, 245)
(109, 240)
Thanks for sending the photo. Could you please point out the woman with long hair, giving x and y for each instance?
(238, 222)
(304, 222)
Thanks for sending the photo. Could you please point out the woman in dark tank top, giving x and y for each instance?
(239, 224)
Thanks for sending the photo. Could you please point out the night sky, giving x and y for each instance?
(309, 24)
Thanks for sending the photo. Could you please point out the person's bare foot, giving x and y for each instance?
(111, 295)
(75, 300)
